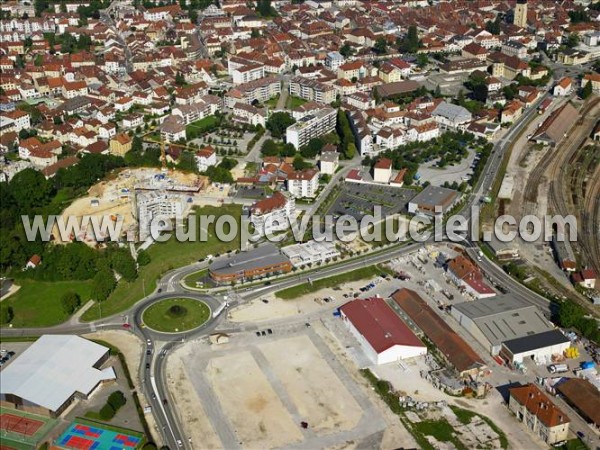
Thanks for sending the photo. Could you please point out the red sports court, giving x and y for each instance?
(19, 424)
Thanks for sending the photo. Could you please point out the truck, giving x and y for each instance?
(558, 368)
(448, 295)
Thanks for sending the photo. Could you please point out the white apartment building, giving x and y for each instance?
(273, 213)
(206, 158)
(315, 124)
(150, 206)
(303, 183)
(245, 74)
(329, 162)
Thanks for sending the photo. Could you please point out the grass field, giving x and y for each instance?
(161, 317)
(195, 129)
(192, 278)
(354, 275)
(166, 256)
(294, 102)
(38, 303)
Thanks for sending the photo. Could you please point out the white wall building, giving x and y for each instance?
(315, 124)
(311, 252)
(272, 214)
(303, 183)
(382, 335)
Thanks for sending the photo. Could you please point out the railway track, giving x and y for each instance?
(535, 177)
(566, 189)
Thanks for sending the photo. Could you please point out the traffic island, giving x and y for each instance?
(175, 315)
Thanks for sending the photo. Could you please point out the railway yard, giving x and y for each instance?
(561, 180)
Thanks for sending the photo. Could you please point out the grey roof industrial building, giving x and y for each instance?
(426, 201)
(493, 321)
(52, 372)
(530, 343)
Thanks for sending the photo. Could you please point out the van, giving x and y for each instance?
(558, 368)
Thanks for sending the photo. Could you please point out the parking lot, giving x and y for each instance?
(357, 200)
(11, 350)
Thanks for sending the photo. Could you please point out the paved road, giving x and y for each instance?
(160, 344)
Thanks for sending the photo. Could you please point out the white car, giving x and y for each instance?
(179, 443)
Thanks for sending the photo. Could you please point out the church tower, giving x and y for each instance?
(520, 18)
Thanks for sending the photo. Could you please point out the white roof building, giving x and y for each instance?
(49, 374)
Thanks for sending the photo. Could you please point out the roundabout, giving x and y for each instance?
(176, 315)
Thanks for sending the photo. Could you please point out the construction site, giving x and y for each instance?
(117, 198)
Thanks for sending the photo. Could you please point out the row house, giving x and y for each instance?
(133, 120)
(83, 137)
(107, 131)
(74, 89)
(20, 119)
(30, 146)
(189, 95)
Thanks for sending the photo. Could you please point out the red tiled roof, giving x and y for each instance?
(379, 324)
(450, 344)
(539, 405)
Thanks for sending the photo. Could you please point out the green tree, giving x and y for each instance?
(30, 189)
(70, 302)
(572, 40)
(116, 400)
(143, 258)
(494, 27)
(103, 284)
(410, 42)
(106, 412)
(278, 123)
(422, 60)
(380, 46)
(179, 79)
(313, 148)
(6, 314)
(346, 50)
(300, 164)
(123, 263)
(587, 90)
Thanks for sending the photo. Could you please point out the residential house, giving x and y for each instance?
(120, 144)
(205, 158)
(532, 407)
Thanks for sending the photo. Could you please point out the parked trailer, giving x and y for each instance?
(558, 368)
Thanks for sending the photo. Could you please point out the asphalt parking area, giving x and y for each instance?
(357, 200)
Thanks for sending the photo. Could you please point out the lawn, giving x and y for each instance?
(354, 275)
(197, 128)
(294, 102)
(166, 256)
(272, 102)
(176, 314)
(195, 277)
(38, 303)
(441, 430)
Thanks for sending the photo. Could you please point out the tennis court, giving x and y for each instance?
(20, 424)
(20, 430)
(81, 436)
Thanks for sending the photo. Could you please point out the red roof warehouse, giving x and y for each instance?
(383, 336)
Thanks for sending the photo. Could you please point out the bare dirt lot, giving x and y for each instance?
(308, 380)
(254, 392)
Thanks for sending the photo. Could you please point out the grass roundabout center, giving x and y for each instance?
(174, 315)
